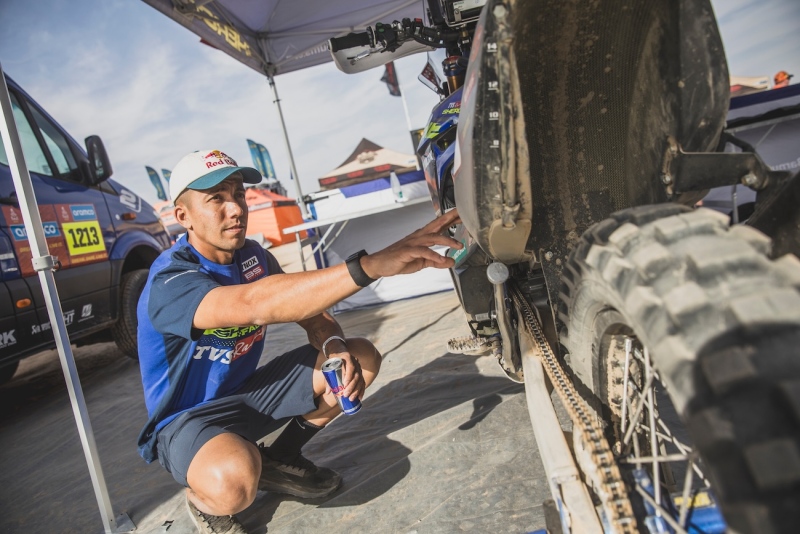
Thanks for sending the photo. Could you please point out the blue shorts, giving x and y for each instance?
(276, 392)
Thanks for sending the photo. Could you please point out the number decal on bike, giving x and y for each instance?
(84, 237)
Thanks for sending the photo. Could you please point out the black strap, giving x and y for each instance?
(356, 271)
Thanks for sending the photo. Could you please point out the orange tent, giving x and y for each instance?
(166, 212)
(270, 213)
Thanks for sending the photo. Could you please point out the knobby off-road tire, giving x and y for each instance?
(722, 325)
(124, 330)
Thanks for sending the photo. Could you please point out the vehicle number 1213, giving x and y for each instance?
(84, 237)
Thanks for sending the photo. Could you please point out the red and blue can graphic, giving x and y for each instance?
(333, 370)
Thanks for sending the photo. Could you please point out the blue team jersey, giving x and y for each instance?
(182, 366)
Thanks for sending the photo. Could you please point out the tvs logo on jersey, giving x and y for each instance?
(243, 346)
(228, 347)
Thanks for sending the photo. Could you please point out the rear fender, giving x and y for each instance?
(490, 171)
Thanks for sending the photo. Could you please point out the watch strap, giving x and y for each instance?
(357, 273)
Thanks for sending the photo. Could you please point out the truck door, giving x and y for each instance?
(18, 317)
(17, 313)
(76, 221)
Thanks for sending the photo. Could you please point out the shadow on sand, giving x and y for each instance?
(46, 481)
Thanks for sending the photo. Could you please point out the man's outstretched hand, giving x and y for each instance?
(413, 252)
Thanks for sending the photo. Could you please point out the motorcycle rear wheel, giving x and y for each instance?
(666, 295)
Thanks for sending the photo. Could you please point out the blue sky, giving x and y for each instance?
(122, 70)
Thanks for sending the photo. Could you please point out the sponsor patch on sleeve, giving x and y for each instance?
(251, 268)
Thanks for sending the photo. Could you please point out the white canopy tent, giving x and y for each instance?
(279, 36)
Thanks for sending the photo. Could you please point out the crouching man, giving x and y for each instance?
(202, 317)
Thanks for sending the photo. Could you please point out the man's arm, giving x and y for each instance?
(284, 298)
(320, 328)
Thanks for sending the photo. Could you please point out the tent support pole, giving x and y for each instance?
(45, 264)
(298, 189)
(408, 122)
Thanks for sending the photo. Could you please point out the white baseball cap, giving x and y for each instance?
(205, 169)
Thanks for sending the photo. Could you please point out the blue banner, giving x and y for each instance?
(166, 173)
(156, 183)
(261, 159)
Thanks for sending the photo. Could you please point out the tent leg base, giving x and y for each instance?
(122, 524)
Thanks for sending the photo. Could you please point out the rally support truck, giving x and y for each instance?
(104, 236)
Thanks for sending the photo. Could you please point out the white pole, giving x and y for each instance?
(277, 101)
(405, 108)
(408, 119)
(45, 264)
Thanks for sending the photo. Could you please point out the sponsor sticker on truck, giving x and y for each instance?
(72, 231)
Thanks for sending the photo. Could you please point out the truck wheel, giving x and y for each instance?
(124, 330)
(7, 371)
(662, 298)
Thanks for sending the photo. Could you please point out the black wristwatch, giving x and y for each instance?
(356, 271)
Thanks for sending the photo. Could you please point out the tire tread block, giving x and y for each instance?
(725, 369)
(774, 306)
(774, 464)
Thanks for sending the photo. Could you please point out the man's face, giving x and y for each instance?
(216, 218)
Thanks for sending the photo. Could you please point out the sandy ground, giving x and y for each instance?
(443, 443)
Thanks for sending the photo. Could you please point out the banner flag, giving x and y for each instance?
(167, 174)
(390, 78)
(267, 162)
(156, 181)
(255, 153)
(261, 159)
(428, 77)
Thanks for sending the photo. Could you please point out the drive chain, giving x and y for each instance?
(612, 490)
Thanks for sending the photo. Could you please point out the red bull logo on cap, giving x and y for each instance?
(218, 158)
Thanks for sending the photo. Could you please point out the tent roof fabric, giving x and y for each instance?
(279, 36)
(369, 155)
(368, 162)
(363, 146)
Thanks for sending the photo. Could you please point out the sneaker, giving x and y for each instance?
(298, 477)
(214, 524)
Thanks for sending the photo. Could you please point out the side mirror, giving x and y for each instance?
(99, 163)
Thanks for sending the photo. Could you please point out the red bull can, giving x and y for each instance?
(333, 371)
